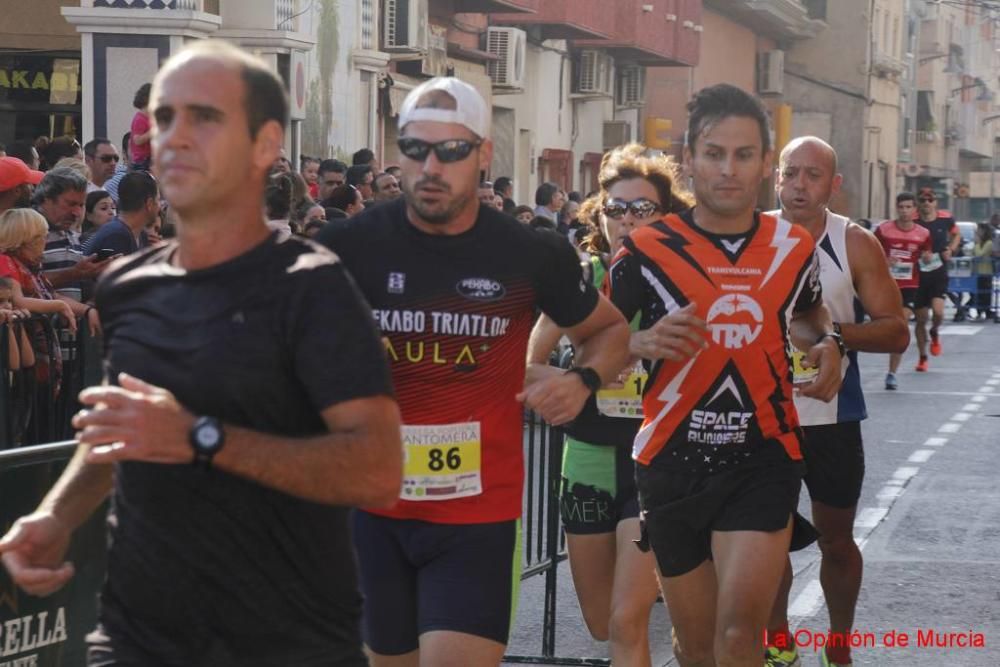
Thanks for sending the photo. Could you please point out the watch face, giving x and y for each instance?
(207, 436)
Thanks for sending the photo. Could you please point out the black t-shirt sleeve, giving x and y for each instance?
(563, 293)
(811, 292)
(336, 351)
(627, 287)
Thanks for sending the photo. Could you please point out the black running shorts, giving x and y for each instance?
(835, 463)
(933, 285)
(909, 297)
(418, 576)
(598, 488)
(681, 509)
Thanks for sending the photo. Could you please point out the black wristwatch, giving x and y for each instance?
(207, 438)
(837, 338)
(589, 376)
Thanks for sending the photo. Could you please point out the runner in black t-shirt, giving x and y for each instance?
(934, 273)
(454, 287)
(259, 365)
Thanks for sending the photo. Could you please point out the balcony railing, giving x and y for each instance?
(189, 5)
(926, 136)
(284, 15)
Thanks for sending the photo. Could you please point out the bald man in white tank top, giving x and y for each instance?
(856, 281)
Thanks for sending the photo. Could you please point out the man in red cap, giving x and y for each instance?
(15, 177)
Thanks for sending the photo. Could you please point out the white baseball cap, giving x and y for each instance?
(470, 107)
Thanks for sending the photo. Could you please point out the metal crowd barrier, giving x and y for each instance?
(34, 411)
(964, 279)
(544, 540)
(47, 631)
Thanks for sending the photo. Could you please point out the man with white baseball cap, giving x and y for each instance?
(15, 179)
(454, 286)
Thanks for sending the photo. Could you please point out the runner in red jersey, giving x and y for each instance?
(906, 245)
(723, 291)
(454, 288)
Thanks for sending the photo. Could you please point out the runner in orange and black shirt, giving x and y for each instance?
(723, 291)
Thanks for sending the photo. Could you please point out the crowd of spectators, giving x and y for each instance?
(68, 209)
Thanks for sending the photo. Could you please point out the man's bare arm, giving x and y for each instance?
(886, 331)
(359, 462)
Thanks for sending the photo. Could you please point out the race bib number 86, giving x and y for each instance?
(442, 461)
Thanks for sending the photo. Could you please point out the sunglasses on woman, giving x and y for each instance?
(641, 208)
(450, 150)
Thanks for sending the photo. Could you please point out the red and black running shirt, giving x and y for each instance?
(455, 313)
(904, 248)
(733, 399)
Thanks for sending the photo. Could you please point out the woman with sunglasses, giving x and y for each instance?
(615, 582)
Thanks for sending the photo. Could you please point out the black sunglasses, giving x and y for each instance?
(110, 158)
(450, 150)
(926, 199)
(641, 208)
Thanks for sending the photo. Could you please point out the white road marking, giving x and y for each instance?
(808, 602)
(870, 517)
(889, 493)
(960, 331)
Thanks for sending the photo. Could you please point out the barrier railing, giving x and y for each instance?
(33, 408)
(983, 289)
(544, 540)
(47, 631)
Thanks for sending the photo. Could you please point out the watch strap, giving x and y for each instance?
(591, 379)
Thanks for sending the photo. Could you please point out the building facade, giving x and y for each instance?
(953, 105)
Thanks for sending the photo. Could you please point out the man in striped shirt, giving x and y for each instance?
(60, 197)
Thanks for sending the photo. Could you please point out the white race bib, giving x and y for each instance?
(901, 270)
(934, 263)
(442, 461)
(627, 401)
(801, 375)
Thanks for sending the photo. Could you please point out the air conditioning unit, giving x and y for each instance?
(616, 133)
(771, 72)
(509, 45)
(631, 89)
(404, 26)
(594, 72)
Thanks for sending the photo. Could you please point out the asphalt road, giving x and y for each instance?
(928, 523)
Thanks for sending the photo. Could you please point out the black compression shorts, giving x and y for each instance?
(835, 463)
(933, 285)
(417, 577)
